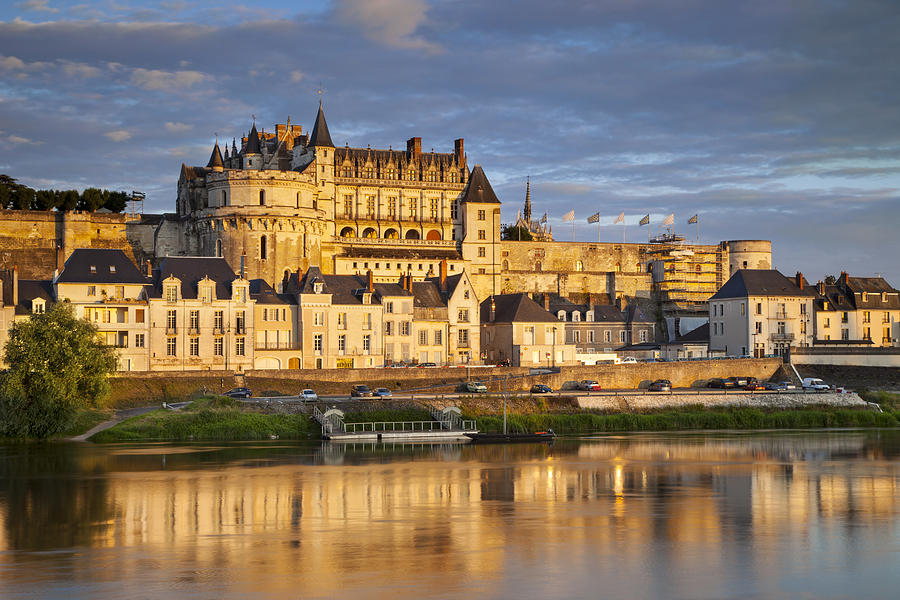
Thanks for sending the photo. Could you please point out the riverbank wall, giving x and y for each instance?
(718, 399)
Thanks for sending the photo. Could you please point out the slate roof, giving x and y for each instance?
(100, 265)
(264, 293)
(215, 159)
(191, 270)
(29, 289)
(193, 172)
(427, 295)
(252, 146)
(760, 282)
(320, 135)
(874, 287)
(698, 335)
(603, 313)
(479, 188)
(515, 308)
(343, 287)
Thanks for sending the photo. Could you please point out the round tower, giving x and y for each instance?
(749, 254)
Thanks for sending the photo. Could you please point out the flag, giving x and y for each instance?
(670, 220)
(692, 220)
(569, 216)
(645, 220)
(594, 218)
(544, 219)
(620, 218)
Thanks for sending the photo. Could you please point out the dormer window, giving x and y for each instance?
(38, 306)
(171, 293)
(317, 287)
(112, 268)
(93, 269)
(576, 316)
(865, 297)
(589, 316)
(561, 315)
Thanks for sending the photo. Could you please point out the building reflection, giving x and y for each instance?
(329, 519)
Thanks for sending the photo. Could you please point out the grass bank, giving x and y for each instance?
(211, 418)
(689, 419)
(887, 400)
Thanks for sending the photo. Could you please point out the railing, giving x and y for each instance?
(406, 426)
(276, 346)
(783, 336)
(780, 315)
(393, 241)
(330, 423)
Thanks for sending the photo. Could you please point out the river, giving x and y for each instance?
(705, 515)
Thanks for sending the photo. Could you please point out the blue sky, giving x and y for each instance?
(769, 119)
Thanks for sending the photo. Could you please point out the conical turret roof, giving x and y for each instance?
(215, 159)
(252, 142)
(479, 188)
(320, 135)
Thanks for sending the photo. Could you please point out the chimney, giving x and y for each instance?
(493, 309)
(414, 148)
(444, 275)
(243, 263)
(60, 257)
(409, 282)
(547, 302)
(55, 275)
(15, 286)
(458, 151)
(149, 269)
(821, 288)
(798, 279)
(370, 284)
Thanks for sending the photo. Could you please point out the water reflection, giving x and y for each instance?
(737, 515)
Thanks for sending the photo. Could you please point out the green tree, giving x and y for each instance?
(91, 200)
(56, 366)
(67, 200)
(511, 232)
(116, 201)
(44, 200)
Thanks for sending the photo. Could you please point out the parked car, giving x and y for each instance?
(476, 387)
(738, 382)
(788, 385)
(238, 392)
(589, 385)
(426, 364)
(382, 392)
(540, 388)
(815, 384)
(776, 386)
(360, 391)
(753, 384)
(396, 365)
(718, 382)
(660, 385)
(309, 395)
(628, 360)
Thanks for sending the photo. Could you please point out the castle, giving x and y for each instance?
(280, 201)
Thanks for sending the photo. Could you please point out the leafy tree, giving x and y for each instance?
(67, 200)
(116, 201)
(44, 200)
(830, 280)
(511, 232)
(56, 366)
(91, 200)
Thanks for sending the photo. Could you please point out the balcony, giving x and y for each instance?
(780, 315)
(276, 346)
(782, 337)
(171, 330)
(194, 331)
(886, 341)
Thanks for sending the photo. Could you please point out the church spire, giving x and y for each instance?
(215, 159)
(527, 213)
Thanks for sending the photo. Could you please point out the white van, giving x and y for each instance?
(815, 384)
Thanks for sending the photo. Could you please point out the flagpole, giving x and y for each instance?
(623, 231)
(599, 238)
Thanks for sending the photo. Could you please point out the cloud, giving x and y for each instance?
(156, 79)
(177, 127)
(20, 140)
(36, 6)
(118, 135)
(80, 70)
(390, 22)
(11, 63)
(296, 76)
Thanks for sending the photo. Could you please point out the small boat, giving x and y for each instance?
(502, 438)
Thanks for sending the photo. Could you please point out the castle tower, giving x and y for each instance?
(252, 155)
(215, 160)
(527, 214)
(323, 150)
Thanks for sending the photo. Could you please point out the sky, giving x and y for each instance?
(768, 119)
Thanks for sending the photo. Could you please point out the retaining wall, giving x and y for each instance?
(616, 402)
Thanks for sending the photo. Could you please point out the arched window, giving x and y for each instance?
(637, 267)
(579, 265)
(561, 315)
(412, 234)
(219, 248)
(262, 197)
(263, 251)
(412, 174)
(618, 268)
(505, 265)
(537, 266)
(576, 316)
(697, 268)
(348, 232)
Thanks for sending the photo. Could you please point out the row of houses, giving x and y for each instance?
(197, 313)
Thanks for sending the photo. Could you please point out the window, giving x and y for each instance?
(171, 345)
(577, 336)
(367, 343)
(389, 328)
(622, 336)
(318, 318)
(392, 205)
(759, 308)
(317, 343)
(341, 321)
(195, 346)
(481, 252)
(404, 328)
(139, 315)
(423, 338)
(466, 295)
(219, 248)
(120, 291)
(607, 336)
(463, 315)
(239, 346)
(742, 309)
(94, 267)
(463, 338)
(759, 327)
(342, 343)
(171, 293)
(171, 318)
(218, 320)
(389, 307)
(367, 321)
(867, 316)
(239, 322)
(195, 320)
(827, 322)
(218, 346)
(413, 206)
(802, 308)
(454, 210)
(370, 206)
(845, 334)
(590, 336)
(481, 215)
(390, 173)
(579, 265)
(92, 290)
(348, 206)
(844, 317)
(139, 340)
(262, 197)
(643, 335)
(438, 337)
(263, 254)
(206, 294)
(481, 234)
